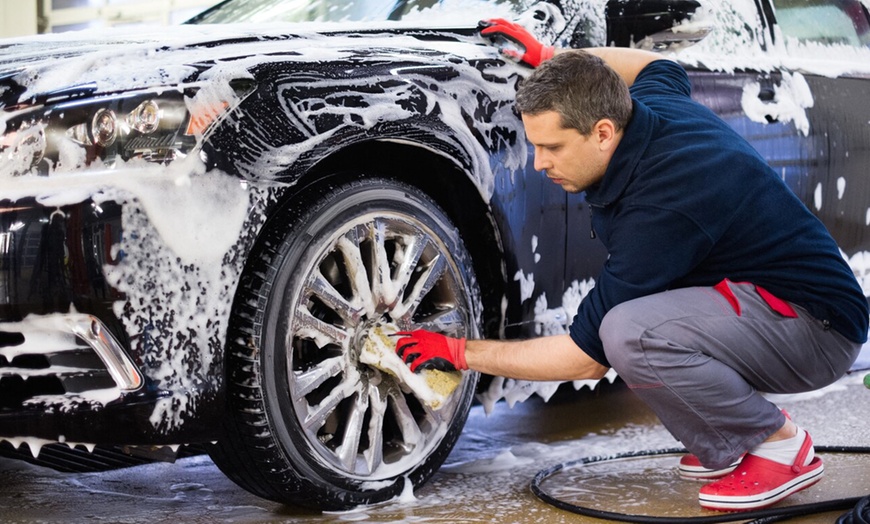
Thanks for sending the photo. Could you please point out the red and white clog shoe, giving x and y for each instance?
(758, 482)
(690, 468)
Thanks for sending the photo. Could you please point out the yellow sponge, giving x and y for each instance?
(431, 386)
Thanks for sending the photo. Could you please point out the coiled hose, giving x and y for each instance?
(859, 506)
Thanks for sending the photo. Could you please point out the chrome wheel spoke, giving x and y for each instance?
(411, 433)
(318, 414)
(356, 271)
(374, 455)
(310, 327)
(422, 287)
(383, 291)
(432, 417)
(408, 262)
(347, 452)
(307, 381)
(322, 289)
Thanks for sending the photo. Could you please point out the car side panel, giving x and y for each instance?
(839, 123)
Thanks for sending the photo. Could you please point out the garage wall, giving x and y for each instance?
(17, 18)
(22, 17)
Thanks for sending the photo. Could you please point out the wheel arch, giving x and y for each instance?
(461, 199)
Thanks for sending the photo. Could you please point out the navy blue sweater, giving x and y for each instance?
(686, 201)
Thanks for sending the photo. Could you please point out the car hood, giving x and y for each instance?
(49, 67)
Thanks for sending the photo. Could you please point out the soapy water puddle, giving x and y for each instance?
(486, 478)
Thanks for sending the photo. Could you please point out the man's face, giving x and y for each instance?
(570, 159)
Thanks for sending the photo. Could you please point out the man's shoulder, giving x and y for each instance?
(661, 78)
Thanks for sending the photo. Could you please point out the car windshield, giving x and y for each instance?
(260, 11)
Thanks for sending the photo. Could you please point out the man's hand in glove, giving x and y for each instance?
(508, 35)
(422, 349)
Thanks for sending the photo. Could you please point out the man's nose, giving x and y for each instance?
(542, 163)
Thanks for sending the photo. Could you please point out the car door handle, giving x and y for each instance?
(767, 93)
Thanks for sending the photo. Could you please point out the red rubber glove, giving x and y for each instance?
(504, 34)
(422, 349)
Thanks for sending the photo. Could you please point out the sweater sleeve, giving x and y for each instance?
(660, 77)
(654, 248)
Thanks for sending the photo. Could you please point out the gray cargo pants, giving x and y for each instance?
(700, 367)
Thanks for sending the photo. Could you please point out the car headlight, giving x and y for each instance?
(102, 132)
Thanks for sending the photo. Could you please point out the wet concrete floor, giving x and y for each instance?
(485, 479)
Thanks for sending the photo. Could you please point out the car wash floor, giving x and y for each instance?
(485, 479)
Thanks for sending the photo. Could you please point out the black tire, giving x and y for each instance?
(308, 424)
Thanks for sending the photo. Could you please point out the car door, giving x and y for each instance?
(827, 43)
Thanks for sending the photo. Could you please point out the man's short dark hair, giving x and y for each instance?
(580, 87)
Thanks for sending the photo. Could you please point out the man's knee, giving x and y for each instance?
(621, 331)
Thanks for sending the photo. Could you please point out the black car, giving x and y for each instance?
(199, 228)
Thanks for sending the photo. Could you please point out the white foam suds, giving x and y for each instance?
(407, 495)
(527, 284)
(34, 444)
(792, 98)
(504, 462)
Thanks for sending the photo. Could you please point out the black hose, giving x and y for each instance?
(859, 514)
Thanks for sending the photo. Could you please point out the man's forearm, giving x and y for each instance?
(545, 358)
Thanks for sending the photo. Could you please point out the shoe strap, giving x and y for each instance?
(807, 445)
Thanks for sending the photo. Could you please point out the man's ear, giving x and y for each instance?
(604, 132)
